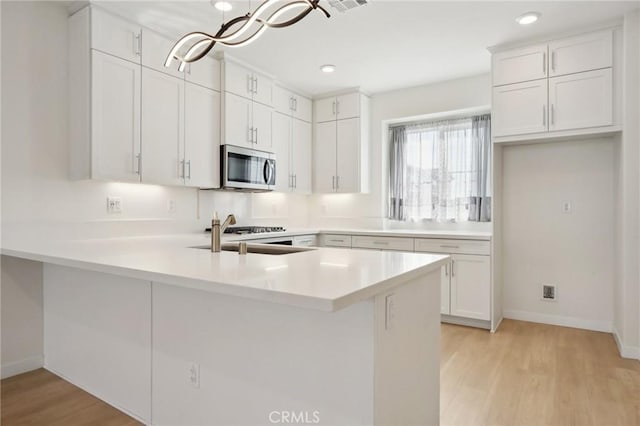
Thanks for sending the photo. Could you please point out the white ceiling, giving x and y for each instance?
(385, 45)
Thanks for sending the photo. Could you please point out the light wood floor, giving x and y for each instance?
(534, 374)
(525, 374)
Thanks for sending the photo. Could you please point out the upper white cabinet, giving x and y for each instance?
(338, 107)
(290, 103)
(518, 65)
(582, 53)
(113, 35)
(128, 112)
(519, 108)
(162, 128)
(561, 88)
(115, 120)
(247, 83)
(341, 144)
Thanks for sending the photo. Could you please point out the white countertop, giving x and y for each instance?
(324, 279)
(407, 233)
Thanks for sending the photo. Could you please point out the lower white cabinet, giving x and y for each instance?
(470, 289)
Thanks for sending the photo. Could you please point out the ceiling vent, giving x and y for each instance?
(344, 5)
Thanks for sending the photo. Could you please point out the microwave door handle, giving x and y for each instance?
(266, 172)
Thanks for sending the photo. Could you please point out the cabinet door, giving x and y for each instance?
(581, 100)
(471, 286)
(262, 89)
(348, 106)
(325, 110)
(324, 157)
(520, 108)
(113, 35)
(581, 53)
(115, 118)
(205, 72)
(282, 100)
(162, 128)
(238, 80)
(154, 53)
(301, 156)
(262, 126)
(348, 156)
(302, 108)
(202, 136)
(281, 146)
(445, 307)
(237, 121)
(519, 65)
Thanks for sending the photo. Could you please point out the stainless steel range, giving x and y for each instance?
(241, 230)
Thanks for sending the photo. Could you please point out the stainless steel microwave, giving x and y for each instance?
(247, 169)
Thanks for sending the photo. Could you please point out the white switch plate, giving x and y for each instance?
(114, 205)
(194, 375)
(171, 205)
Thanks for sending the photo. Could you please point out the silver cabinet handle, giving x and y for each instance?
(553, 115)
(189, 168)
(256, 129)
(334, 107)
(337, 107)
(139, 161)
(381, 243)
(335, 240)
(446, 270)
(250, 134)
(449, 246)
(255, 89)
(181, 172)
(333, 182)
(453, 268)
(544, 63)
(337, 182)
(553, 61)
(544, 115)
(136, 44)
(249, 83)
(291, 103)
(189, 69)
(295, 104)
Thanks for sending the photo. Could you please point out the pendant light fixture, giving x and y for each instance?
(197, 45)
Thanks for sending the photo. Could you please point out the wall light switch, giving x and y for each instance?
(114, 205)
(171, 206)
(194, 375)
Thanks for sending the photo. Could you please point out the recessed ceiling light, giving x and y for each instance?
(528, 18)
(223, 6)
(328, 68)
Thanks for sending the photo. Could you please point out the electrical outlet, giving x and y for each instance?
(566, 207)
(194, 375)
(114, 205)
(171, 206)
(549, 292)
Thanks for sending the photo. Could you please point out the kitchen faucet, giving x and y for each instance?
(217, 230)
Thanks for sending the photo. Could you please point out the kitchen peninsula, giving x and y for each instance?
(173, 334)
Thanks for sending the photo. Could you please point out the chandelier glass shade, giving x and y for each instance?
(241, 30)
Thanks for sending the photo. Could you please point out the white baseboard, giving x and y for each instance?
(586, 324)
(468, 322)
(626, 351)
(22, 366)
(497, 325)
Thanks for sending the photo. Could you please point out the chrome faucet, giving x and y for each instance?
(217, 230)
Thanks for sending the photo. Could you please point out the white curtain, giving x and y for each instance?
(439, 171)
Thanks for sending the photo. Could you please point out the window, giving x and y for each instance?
(440, 171)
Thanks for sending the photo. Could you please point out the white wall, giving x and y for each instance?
(369, 210)
(544, 245)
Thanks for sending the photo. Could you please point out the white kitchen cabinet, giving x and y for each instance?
(205, 72)
(290, 103)
(348, 162)
(247, 83)
(305, 241)
(471, 286)
(338, 107)
(335, 240)
(113, 35)
(520, 108)
(582, 100)
(519, 65)
(585, 52)
(324, 157)
(202, 137)
(301, 156)
(445, 289)
(382, 243)
(115, 119)
(162, 128)
(261, 123)
(281, 134)
(155, 49)
(237, 121)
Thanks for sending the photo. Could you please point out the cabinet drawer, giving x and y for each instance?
(335, 240)
(434, 245)
(382, 243)
(305, 241)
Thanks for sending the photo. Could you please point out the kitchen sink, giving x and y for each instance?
(260, 248)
